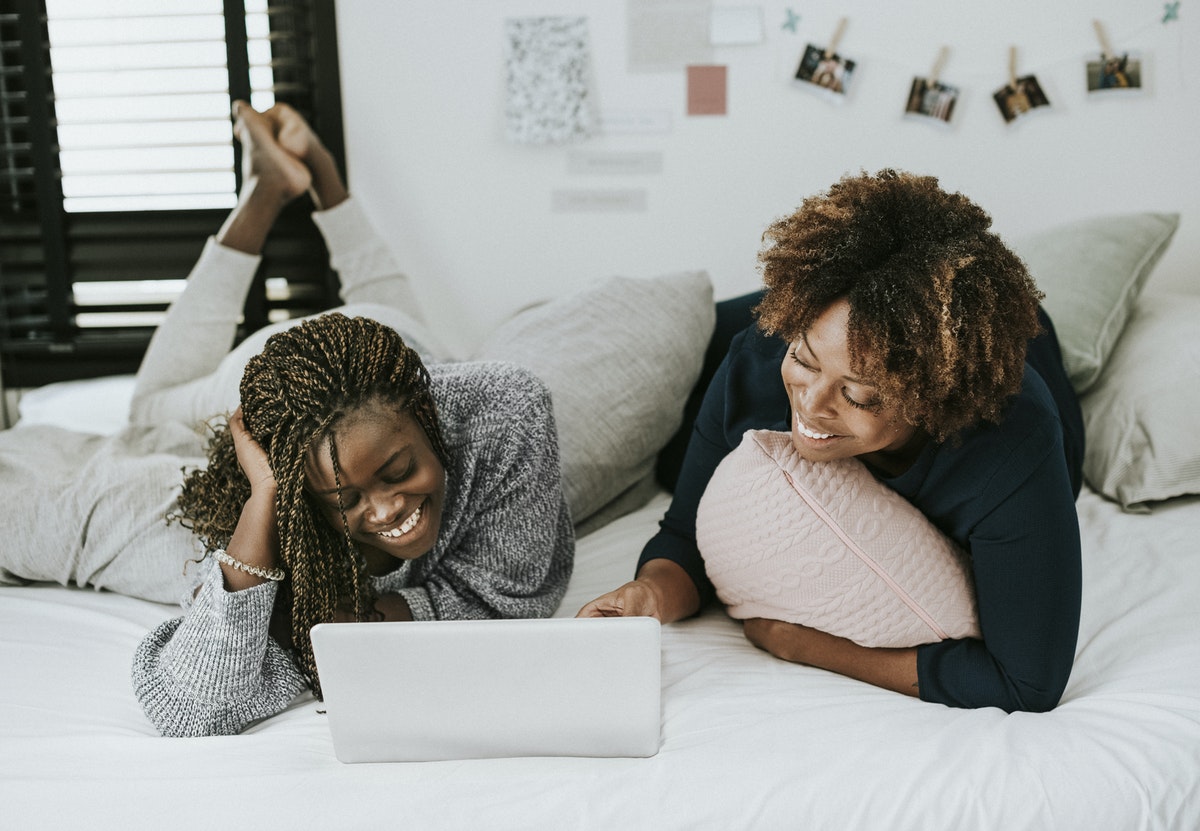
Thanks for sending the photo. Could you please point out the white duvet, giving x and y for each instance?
(747, 741)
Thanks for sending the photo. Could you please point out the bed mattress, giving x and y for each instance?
(748, 741)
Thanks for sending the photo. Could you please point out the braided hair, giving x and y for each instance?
(941, 310)
(293, 395)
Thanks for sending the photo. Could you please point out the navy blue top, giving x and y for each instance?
(1006, 493)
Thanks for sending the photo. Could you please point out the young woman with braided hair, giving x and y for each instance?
(310, 390)
(353, 482)
(908, 336)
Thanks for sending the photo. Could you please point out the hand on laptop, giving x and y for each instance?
(662, 590)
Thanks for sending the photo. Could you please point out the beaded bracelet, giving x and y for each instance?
(272, 574)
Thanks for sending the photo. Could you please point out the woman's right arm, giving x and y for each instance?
(662, 589)
(216, 669)
(671, 583)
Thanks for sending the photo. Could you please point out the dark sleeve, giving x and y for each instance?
(733, 316)
(746, 393)
(676, 538)
(1025, 556)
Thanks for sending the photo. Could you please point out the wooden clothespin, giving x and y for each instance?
(831, 49)
(1106, 50)
(936, 72)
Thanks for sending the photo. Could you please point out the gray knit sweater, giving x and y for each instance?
(505, 549)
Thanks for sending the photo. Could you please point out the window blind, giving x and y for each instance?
(117, 160)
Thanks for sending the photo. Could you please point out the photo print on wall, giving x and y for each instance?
(1021, 95)
(827, 71)
(931, 99)
(1020, 98)
(1114, 72)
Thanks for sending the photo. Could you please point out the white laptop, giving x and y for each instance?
(470, 689)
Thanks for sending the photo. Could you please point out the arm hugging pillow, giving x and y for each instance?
(828, 546)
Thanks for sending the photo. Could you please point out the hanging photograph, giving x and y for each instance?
(931, 100)
(1114, 72)
(829, 73)
(1020, 97)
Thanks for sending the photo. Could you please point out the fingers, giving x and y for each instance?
(633, 599)
(249, 124)
(600, 607)
(250, 455)
(237, 428)
(293, 132)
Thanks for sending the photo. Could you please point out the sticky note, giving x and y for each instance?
(735, 25)
(706, 90)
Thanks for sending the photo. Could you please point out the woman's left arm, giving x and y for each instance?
(1025, 556)
(892, 669)
(1026, 561)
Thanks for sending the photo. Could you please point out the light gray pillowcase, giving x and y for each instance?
(620, 358)
(1140, 417)
(1092, 271)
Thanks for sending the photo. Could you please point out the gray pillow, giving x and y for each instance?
(1140, 417)
(1092, 272)
(620, 358)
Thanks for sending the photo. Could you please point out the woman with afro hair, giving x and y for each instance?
(895, 327)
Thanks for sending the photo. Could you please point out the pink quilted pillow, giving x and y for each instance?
(827, 545)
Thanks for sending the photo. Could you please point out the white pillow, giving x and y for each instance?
(1092, 272)
(1141, 418)
(827, 545)
(92, 405)
(620, 358)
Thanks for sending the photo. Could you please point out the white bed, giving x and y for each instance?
(748, 741)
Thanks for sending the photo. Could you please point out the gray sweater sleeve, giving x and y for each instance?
(215, 670)
(507, 544)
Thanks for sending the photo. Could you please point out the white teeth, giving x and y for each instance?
(404, 527)
(804, 431)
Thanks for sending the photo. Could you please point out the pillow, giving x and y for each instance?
(1092, 272)
(619, 358)
(1140, 417)
(827, 545)
(92, 405)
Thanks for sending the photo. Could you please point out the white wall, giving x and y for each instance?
(468, 213)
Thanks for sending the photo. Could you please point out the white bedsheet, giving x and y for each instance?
(747, 741)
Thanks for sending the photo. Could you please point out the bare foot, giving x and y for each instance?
(293, 133)
(271, 178)
(265, 161)
(297, 137)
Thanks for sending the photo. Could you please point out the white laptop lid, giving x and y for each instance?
(470, 689)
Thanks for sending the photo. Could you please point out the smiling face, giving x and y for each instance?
(392, 483)
(835, 413)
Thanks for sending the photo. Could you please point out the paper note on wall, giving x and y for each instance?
(735, 25)
(548, 69)
(706, 90)
(667, 35)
